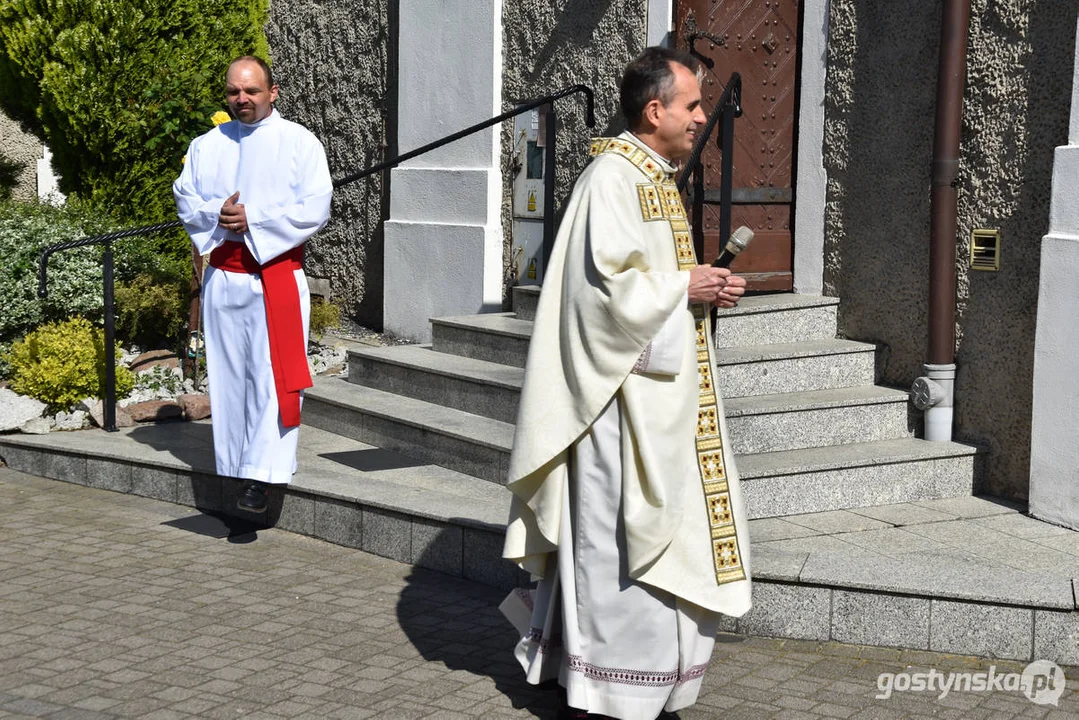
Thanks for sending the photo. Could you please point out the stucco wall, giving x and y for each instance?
(550, 44)
(335, 63)
(881, 87)
(19, 147)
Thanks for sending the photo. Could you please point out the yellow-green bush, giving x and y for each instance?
(324, 315)
(61, 363)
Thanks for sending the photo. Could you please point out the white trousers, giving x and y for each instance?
(619, 648)
(249, 440)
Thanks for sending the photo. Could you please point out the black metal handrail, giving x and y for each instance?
(549, 157)
(109, 419)
(728, 108)
(109, 411)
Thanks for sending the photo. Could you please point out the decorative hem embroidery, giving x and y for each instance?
(525, 596)
(640, 678)
(535, 636)
(641, 366)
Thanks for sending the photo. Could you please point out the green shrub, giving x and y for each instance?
(162, 381)
(118, 88)
(150, 311)
(75, 277)
(61, 363)
(324, 315)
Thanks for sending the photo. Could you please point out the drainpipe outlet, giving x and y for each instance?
(933, 394)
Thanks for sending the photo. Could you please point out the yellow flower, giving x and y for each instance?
(219, 117)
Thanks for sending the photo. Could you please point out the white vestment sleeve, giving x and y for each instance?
(663, 355)
(199, 215)
(276, 228)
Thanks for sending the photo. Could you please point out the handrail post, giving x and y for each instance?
(551, 132)
(110, 343)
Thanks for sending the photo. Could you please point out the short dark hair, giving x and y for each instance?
(258, 61)
(650, 77)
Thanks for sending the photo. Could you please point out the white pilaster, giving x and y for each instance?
(660, 18)
(48, 189)
(443, 253)
(1054, 449)
(811, 181)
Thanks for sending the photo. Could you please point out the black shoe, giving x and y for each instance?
(253, 498)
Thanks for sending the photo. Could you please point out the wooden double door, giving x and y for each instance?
(759, 40)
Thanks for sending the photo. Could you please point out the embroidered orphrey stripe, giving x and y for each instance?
(631, 152)
(660, 200)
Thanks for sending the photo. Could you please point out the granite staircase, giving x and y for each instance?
(811, 430)
(860, 532)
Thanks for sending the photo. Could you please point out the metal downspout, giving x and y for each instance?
(934, 392)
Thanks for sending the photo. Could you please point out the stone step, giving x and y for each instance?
(755, 370)
(779, 318)
(418, 371)
(344, 492)
(966, 575)
(856, 475)
(758, 423)
(960, 574)
(813, 479)
(495, 337)
(816, 418)
(454, 439)
(794, 367)
(758, 320)
(525, 300)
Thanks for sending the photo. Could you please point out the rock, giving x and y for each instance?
(123, 418)
(335, 369)
(150, 358)
(196, 407)
(95, 409)
(16, 409)
(37, 426)
(153, 410)
(70, 421)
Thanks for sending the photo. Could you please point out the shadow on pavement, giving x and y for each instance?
(192, 443)
(372, 459)
(457, 622)
(236, 530)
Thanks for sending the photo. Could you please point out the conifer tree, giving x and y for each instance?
(118, 88)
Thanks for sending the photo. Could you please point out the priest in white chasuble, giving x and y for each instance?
(252, 192)
(626, 501)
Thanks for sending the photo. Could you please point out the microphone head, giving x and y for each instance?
(740, 238)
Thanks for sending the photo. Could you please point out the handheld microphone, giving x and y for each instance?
(737, 243)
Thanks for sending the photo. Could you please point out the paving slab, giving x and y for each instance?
(120, 606)
(974, 550)
(903, 514)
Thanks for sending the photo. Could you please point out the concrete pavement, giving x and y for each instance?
(119, 606)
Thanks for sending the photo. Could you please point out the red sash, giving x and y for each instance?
(288, 351)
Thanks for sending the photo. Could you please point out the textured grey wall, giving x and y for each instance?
(19, 147)
(549, 44)
(878, 147)
(335, 63)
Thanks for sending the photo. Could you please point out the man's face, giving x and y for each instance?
(677, 121)
(248, 94)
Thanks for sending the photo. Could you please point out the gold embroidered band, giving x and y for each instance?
(660, 200)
